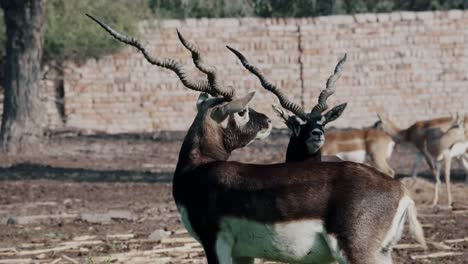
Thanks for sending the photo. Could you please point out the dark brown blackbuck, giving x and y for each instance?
(285, 212)
(307, 129)
(308, 139)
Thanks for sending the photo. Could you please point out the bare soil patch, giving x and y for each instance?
(100, 199)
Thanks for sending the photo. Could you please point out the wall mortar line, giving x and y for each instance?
(301, 64)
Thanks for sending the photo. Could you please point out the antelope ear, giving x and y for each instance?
(292, 122)
(378, 124)
(460, 120)
(456, 120)
(220, 113)
(390, 128)
(294, 125)
(201, 99)
(333, 114)
(280, 113)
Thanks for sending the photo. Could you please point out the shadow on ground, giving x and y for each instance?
(36, 172)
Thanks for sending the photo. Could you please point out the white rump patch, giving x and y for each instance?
(297, 238)
(291, 242)
(394, 233)
(458, 149)
(358, 156)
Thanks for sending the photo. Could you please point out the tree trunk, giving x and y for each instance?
(24, 111)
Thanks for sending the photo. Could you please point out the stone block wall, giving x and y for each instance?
(411, 66)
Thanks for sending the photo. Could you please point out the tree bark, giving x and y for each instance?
(24, 112)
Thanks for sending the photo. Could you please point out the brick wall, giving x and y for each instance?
(410, 65)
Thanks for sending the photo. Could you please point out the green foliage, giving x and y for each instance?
(292, 8)
(420, 5)
(303, 8)
(69, 34)
(201, 8)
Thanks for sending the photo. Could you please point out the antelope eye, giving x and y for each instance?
(242, 113)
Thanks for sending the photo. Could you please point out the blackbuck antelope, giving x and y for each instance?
(282, 212)
(307, 211)
(308, 139)
(368, 145)
(438, 141)
(308, 136)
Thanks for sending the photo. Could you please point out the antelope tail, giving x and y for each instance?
(415, 227)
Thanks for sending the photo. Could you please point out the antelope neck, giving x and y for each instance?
(194, 153)
(297, 151)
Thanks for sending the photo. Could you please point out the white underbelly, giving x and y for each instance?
(354, 156)
(458, 149)
(390, 148)
(297, 241)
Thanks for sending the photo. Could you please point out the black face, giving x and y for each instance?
(308, 136)
(244, 127)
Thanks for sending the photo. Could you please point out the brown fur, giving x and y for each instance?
(356, 202)
(371, 140)
(433, 139)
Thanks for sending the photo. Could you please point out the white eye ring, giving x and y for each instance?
(242, 117)
(242, 113)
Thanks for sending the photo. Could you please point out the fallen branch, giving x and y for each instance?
(456, 240)
(171, 240)
(65, 246)
(37, 219)
(31, 245)
(460, 212)
(407, 246)
(439, 245)
(77, 244)
(432, 215)
(56, 261)
(120, 236)
(14, 261)
(441, 254)
(182, 249)
(65, 257)
(85, 237)
(10, 249)
(180, 232)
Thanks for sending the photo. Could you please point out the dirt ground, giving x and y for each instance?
(108, 200)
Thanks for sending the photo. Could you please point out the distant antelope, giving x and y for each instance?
(367, 145)
(419, 129)
(436, 141)
(310, 201)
